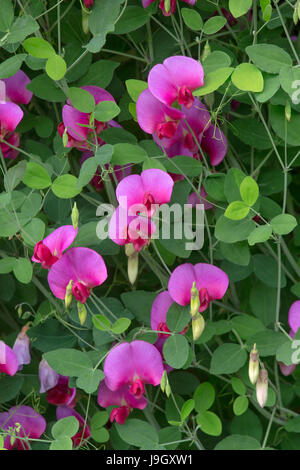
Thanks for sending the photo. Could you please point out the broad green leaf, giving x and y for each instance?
(176, 351)
(7, 264)
(246, 326)
(128, 153)
(265, 268)
(137, 433)
(283, 224)
(22, 27)
(56, 67)
(36, 176)
(249, 190)
(135, 88)
(120, 325)
(192, 19)
(10, 387)
(23, 270)
(38, 47)
(101, 323)
(267, 342)
(253, 133)
(271, 86)
(65, 427)
(232, 231)
(213, 81)
(7, 15)
(237, 442)
(69, 362)
(81, 100)
(278, 123)
(237, 253)
(268, 57)
(214, 24)
(238, 386)
(89, 380)
(65, 187)
(43, 87)
(187, 409)
(63, 443)
(240, 405)
(247, 77)
(216, 60)
(180, 165)
(106, 111)
(177, 317)
(11, 65)
(239, 7)
(102, 20)
(227, 359)
(204, 397)
(237, 210)
(100, 73)
(260, 234)
(133, 18)
(209, 423)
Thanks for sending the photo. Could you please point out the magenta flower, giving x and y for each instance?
(124, 229)
(88, 3)
(175, 80)
(26, 422)
(134, 364)
(8, 360)
(155, 117)
(140, 193)
(10, 113)
(48, 376)
(21, 348)
(83, 266)
(294, 322)
(7, 151)
(50, 250)
(194, 199)
(61, 393)
(159, 311)
(122, 398)
(211, 283)
(83, 432)
(77, 122)
(168, 7)
(16, 88)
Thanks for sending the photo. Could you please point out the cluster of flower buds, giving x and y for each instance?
(258, 376)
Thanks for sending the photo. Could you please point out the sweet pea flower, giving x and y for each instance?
(175, 80)
(145, 192)
(84, 267)
(294, 322)
(16, 88)
(26, 422)
(10, 113)
(211, 283)
(88, 3)
(7, 151)
(77, 123)
(155, 117)
(61, 393)
(21, 348)
(125, 229)
(122, 399)
(83, 432)
(168, 7)
(48, 376)
(50, 250)
(8, 360)
(134, 364)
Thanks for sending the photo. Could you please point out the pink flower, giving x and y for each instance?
(133, 364)
(85, 267)
(48, 376)
(7, 151)
(26, 422)
(61, 393)
(88, 3)
(175, 80)
(122, 398)
(8, 360)
(50, 250)
(168, 7)
(16, 88)
(294, 322)
(83, 432)
(21, 348)
(211, 283)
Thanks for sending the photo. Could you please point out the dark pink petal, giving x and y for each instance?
(75, 121)
(10, 116)
(166, 80)
(287, 370)
(190, 2)
(151, 112)
(214, 143)
(146, 3)
(7, 151)
(159, 184)
(198, 117)
(129, 362)
(32, 424)
(107, 397)
(8, 360)
(294, 316)
(59, 240)
(159, 310)
(62, 394)
(16, 90)
(79, 264)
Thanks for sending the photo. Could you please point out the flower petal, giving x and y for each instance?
(10, 116)
(215, 144)
(16, 89)
(294, 316)
(160, 308)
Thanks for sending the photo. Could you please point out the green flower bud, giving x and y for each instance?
(198, 325)
(195, 301)
(253, 370)
(75, 216)
(82, 313)
(68, 296)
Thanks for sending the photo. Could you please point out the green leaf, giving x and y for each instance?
(288, 76)
(238, 386)
(64, 443)
(56, 67)
(10, 387)
(102, 21)
(267, 342)
(101, 323)
(98, 432)
(7, 15)
(177, 317)
(283, 224)
(293, 425)
(23, 270)
(247, 77)
(180, 165)
(43, 87)
(133, 18)
(209, 423)
(176, 351)
(239, 7)
(100, 73)
(246, 326)
(271, 86)
(106, 111)
(240, 405)
(249, 190)
(187, 408)
(214, 24)
(33, 232)
(237, 253)
(128, 153)
(213, 81)
(265, 268)
(260, 234)
(22, 27)
(204, 397)
(7, 264)
(253, 133)
(69, 362)
(237, 210)
(278, 122)
(285, 352)
(11, 65)
(192, 19)
(263, 302)
(65, 427)
(65, 187)
(137, 433)
(214, 186)
(38, 47)
(36, 176)
(89, 380)
(268, 57)
(81, 100)
(227, 359)
(15, 175)
(121, 325)
(135, 88)
(216, 60)
(232, 231)
(237, 442)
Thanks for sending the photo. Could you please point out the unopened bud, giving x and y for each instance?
(85, 22)
(129, 249)
(65, 138)
(288, 111)
(167, 6)
(20, 311)
(195, 301)
(253, 365)
(75, 216)
(69, 296)
(295, 15)
(206, 52)
(163, 381)
(262, 387)
(133, 267)
(198, 325)
(82, 313)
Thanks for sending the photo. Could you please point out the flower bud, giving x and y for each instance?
(21, 348)
(65, 137)
(206, 52)
(69, 296)
(133, 267)
(75, 216)
(82, 313)
(288, 111)
(262, 387)
(85, 22)
(198, 325)
(129, 249)
(253, 365)
(195, 301)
